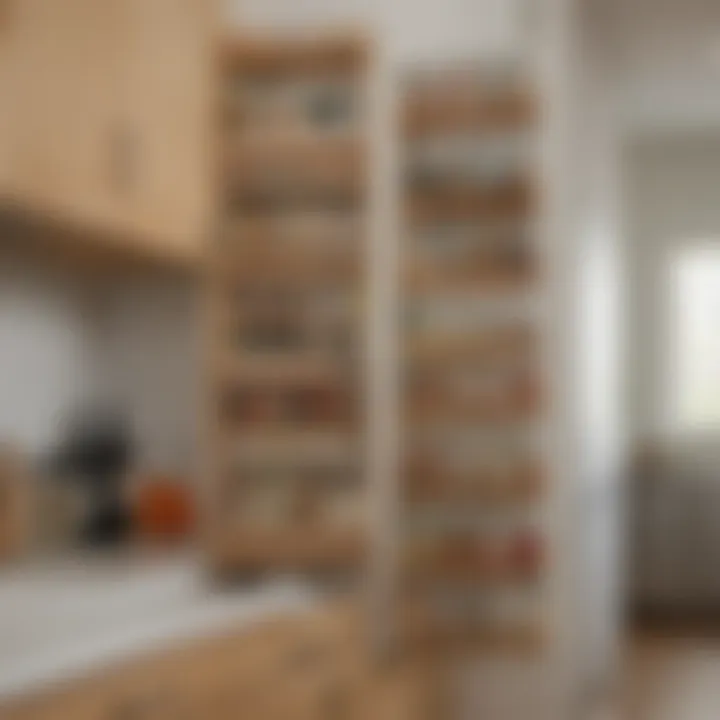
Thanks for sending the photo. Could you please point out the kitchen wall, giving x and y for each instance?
(47, 352)
(149, 361)
(670, 115)
(672, 179)
(68, 338)
(412, 29)
(596, 329)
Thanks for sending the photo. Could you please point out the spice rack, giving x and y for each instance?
(472, 555)
(286, 293)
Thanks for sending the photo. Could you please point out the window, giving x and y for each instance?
(695, 338)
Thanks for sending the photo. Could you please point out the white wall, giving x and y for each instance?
(67, 338)
(584, 256)
(149, 359)
(413, 30)
(598, 355)
(672, 183)
(46, 352)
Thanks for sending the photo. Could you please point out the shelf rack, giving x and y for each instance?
(472, 555)
(286, 287)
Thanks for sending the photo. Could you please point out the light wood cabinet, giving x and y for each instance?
(169, 108)
(110, 114)
(310, 667)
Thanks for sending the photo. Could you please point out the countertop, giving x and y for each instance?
(60, 619)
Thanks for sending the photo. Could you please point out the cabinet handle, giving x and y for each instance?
(124, 159)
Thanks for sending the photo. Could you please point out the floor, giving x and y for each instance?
(670, 677)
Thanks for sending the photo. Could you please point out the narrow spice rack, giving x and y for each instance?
(286, 287)
(472, 553)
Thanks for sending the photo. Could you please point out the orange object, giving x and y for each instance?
(164, 510)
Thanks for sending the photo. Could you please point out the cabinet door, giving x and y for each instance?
(109, 117)
(66, 60)
(169, 56)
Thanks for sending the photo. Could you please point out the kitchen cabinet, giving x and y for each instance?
(312, 666)
(107, 129)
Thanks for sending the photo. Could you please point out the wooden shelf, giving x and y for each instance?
(498, 345)
(421, 287)
(294, 446)
(476, 418)
(508, 410)
(292, 266)
(468, 113)
(424, 634)
(283, 369)
(332, 160)
(304, 169)
(524, 491)
(467, 578)
(466, 203)
(293, 233)
(426, 277)
(288, 144)
(312, 55)
(299, 549)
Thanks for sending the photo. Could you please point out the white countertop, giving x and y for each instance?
(61, 619)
